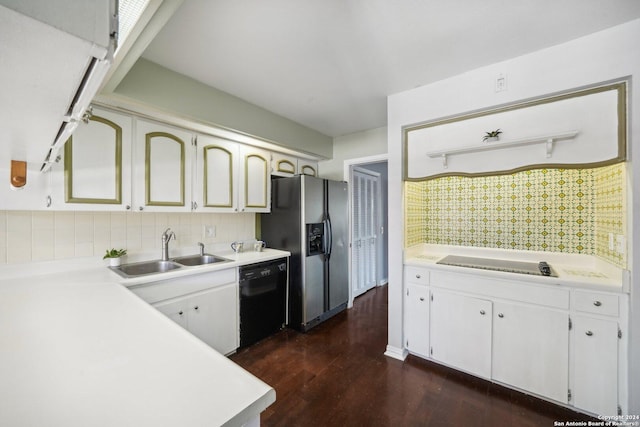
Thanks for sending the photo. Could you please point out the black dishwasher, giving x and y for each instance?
(263, 300)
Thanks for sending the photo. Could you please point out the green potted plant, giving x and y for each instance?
(494, 135)
(114, 256)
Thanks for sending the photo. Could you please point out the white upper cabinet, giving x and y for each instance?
(216, 178)
(307, 167)
(255, 181)
(586, 128)
(162, 167)
(284, 165)
(95, 171)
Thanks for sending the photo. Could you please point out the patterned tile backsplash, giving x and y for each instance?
(555, 210)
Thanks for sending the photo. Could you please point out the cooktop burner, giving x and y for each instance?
(522, 267)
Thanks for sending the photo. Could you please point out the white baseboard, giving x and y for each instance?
(396, 353)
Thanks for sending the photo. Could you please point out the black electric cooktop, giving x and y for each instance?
(522, 267)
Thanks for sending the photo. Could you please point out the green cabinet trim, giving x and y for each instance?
(68, 168)
(308, 170)
(620, 88)
(147, 169)
(246, 181)
(206, 177)
(286, 166)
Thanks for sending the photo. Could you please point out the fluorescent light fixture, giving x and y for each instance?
(130, 12)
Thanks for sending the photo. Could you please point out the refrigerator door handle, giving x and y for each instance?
(328, 237)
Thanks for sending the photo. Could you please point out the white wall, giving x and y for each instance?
(600, 57)
(353, 146)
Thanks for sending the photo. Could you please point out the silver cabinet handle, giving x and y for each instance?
(421, 298)
(597, 303)
(588, 333)
(141, 208)
(196, 308)
(500, 315)
(418, 276)
(128, 207)
(482, 312)
(180, 313)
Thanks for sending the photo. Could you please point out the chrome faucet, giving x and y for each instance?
(166, 236)
(201, 248)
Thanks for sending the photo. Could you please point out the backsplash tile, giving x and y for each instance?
(611, 209)
(42, 236)
(556, 210)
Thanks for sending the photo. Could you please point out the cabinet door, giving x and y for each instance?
(96, 171)
(595, 364)
(255, 184)
(216, 181)
(213, 317)
(162, 168)
(416, 321)
(307, 167)
(175, 310)
(283, 165)
(461, 332)
(531, 349)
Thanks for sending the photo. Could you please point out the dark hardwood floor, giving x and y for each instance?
(337, 375)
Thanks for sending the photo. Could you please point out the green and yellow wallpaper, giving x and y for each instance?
(556, 210)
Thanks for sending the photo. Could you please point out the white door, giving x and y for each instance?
(461, 332)
(213, 317)
(416, 319)
(216, 181)
(531, 349)
(365, 199)
(162, 170)
(595, 364)
(255, 184)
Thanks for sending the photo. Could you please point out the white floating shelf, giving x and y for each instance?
(548, 140)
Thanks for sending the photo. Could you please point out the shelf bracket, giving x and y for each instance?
(444, 160)
(549, 147)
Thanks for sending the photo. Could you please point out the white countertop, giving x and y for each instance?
(79, 349)
(578, 271)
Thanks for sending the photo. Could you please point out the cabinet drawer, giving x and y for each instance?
(597, 303)
(416, 275)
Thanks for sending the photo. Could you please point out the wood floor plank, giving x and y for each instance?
(337, 375)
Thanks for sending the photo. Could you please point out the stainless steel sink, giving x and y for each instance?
(146, 267)
(193, 260)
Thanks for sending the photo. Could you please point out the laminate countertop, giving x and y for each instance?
(79, 349)
(573, 270)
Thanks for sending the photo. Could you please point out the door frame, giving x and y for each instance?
(349, 164)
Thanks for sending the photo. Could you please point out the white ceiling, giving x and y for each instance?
(329, 64)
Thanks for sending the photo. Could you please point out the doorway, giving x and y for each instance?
(368, 201)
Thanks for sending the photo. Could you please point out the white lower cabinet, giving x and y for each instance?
(531, 349)
(564, 344)
(595, 364)
(461, 332)
(417, 319)
(204, 304)
(209, 315)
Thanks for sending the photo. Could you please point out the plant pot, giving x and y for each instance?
(491, 139)
(115, 262)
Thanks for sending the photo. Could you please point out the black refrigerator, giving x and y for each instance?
(310, 218)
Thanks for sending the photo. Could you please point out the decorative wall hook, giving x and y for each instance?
(18, 178)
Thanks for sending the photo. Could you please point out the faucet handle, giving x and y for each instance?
(201, 248)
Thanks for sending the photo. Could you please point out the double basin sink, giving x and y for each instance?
(158, 266)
